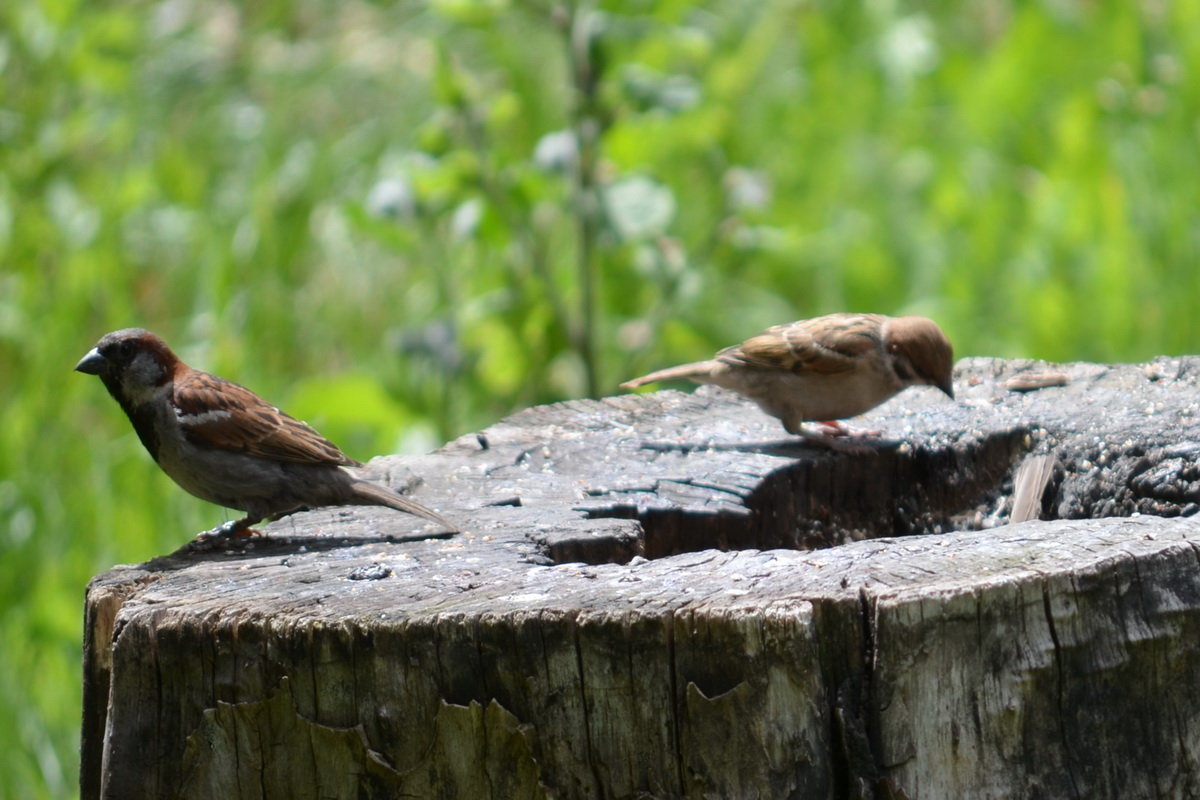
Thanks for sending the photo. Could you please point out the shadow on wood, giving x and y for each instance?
(657, 596)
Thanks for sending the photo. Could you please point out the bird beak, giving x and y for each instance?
(93, 363)
(947, 387)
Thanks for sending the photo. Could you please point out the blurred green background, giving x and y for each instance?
(403, 221)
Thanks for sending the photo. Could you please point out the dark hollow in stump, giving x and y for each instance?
(664, 596)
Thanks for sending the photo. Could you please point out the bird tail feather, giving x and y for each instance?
(695, 371)
(374, 494)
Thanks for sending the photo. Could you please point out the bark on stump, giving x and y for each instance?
(660, 596)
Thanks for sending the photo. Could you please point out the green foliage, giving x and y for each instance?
(403, 221)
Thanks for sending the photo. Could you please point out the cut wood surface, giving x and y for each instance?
(665, 596)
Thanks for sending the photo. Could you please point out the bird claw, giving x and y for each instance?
(234, 529)
(838, 428)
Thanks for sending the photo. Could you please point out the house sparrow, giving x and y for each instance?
(225, 444)
(827, 368)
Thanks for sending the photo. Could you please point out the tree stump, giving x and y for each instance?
(665, 596)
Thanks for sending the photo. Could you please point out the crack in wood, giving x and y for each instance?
(1060, 690)
(822, 502)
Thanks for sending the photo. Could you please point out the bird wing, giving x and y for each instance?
(825, 345)
(217, 413)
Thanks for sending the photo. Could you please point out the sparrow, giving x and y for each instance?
(225, 444)
(826, 368)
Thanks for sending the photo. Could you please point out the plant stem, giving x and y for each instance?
(586, 123)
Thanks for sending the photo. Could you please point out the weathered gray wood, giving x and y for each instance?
(699, 653)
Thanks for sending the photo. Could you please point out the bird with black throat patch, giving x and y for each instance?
(225, 444)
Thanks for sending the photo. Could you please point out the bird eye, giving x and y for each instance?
(125, 350)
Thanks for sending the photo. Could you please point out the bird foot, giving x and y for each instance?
(836, 427)
(238, 529)
(842, 440)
